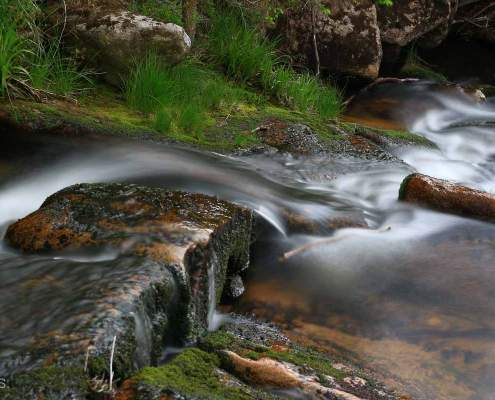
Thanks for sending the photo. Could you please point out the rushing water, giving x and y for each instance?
(412, 298)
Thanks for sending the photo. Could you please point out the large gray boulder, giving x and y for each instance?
(114, 40)
(345, 33)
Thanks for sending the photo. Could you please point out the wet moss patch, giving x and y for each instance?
(294, 354)
(396, 135)
(53, 382)
(192, 373)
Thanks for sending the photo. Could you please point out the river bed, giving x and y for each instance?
(412, 298)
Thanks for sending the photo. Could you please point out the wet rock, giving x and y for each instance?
(447, 197)
(299, 223)
(346, 35)
(247, 359)
(287, 137)
(112, 39)
(161, 253)
(406, 20)
(395, 104)
(234, 288)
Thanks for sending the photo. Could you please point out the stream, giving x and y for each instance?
(413, 298)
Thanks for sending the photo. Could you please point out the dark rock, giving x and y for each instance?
(450, 58)
(298, 223)
(393, 59)
(406, 20)
(447, 197)
(169, 248)
(477, 21)
(395, 104)
(347, 36)
(235, 287)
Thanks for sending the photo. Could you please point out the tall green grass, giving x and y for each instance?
(167, 11)
(250, 58)
(31, 65)
(13, 52)
(245, 55)
(179, 97)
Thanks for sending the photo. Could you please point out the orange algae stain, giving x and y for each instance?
(372, 122)
(37, 232)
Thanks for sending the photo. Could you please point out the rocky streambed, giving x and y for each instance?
(132, 289)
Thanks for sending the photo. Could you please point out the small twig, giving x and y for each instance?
(312, 245)
(64, 26)
(224, 122)
(110, 384)
(315, 43)
(86, 360)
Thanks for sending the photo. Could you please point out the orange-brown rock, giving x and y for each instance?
(271, 373)
(286, 137)
(447, 197)
(168, 257)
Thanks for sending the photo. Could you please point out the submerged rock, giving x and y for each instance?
(165, 260)
(344, 34)
(447, 197)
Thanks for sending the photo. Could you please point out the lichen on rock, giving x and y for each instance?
(347, 38)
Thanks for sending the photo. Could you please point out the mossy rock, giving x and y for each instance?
(54, 382)
(206, 371)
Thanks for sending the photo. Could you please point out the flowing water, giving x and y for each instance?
(413, 298)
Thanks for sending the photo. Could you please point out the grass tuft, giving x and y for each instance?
(166, 11)
(250, 58)
(179, 97)
(29, 63)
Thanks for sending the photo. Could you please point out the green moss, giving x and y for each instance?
(403, 186)
(219, 340)
(415, 67)
(192, 373)
(53, 382)
(101, 112)
(297, 355)
(401, 135)
(306, 358)
(421, 72)
(104, 111)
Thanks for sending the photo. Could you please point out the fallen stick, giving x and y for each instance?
(309, 246)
